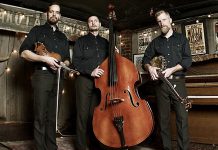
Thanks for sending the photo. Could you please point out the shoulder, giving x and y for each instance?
(103, 39)
(179, 35)
(38, 28)
(156, 39)
(62, 35)
(35, 28)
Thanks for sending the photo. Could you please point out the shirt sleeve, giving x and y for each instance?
(149, 54)
(29, 41)
(186, 55)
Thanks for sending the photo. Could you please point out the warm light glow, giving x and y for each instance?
(25, 36)
(209, 16)
(106, 31)
(14, 51)
(197, 21)
(145, 34)
(173, 24)
(63, 91)
(8, 69)
(22, 16)
(120, 36)
(155, 32)
(82, 33)
(121, 43)
(71, 75)
(5, 12)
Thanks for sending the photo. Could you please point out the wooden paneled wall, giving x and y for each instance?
(15, 90)
(15, 86)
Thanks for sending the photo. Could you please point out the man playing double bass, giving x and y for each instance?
(89, 52)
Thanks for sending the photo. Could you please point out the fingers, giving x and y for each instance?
(98, 72)
(52, 62)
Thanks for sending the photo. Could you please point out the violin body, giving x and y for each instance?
(121, 119)
(41, 50)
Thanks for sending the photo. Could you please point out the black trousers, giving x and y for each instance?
(44, 84)
(165, 99)
(87, 98)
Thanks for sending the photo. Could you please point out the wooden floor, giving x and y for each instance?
(67, 143)
(64, 143)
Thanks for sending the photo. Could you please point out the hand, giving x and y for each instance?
(153, 72)
(117, 50)
(52, 62)
(97, 72)
(167, 72)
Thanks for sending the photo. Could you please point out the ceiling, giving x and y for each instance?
(131, 14)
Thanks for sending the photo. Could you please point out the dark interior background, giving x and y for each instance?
(131, 14)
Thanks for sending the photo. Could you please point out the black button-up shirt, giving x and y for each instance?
(89, 52)
(55, 41)
(175, 49)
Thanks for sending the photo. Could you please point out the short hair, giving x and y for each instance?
(93, 16)
(52, 3)
(159, 12)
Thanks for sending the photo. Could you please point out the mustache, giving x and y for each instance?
(91, 30)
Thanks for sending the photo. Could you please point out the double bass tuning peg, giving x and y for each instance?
(111, 14)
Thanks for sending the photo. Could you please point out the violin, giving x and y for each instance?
(160, 62)
(40, 49)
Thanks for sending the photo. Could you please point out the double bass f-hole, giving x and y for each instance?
(117, 100)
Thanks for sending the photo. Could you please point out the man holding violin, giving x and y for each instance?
(44, 79)
(174, 47)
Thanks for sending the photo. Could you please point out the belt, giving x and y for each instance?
(41, 68)
(176, 77)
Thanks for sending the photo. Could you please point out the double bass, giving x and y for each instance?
(122, 119)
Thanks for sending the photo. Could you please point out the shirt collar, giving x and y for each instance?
(49, 26)
(173, 35)
(91, 35)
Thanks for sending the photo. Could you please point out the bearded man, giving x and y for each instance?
(44, 78)
(174, 47)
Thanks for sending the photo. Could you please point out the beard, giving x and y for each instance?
(165, 29)
(52, 20)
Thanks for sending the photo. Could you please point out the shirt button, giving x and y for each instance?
(168, 47)
(168, 54)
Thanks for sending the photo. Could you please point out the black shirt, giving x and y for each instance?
(175, 49)
(54, 41)
(89, 52)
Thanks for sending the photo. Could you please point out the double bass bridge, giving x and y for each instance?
(115, 101)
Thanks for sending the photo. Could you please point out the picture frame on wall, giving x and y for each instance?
(196, 36)
(144, 39)
(137, 60)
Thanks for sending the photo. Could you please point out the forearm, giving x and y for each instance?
(146, 66)
(30, 56)
(176, 68)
